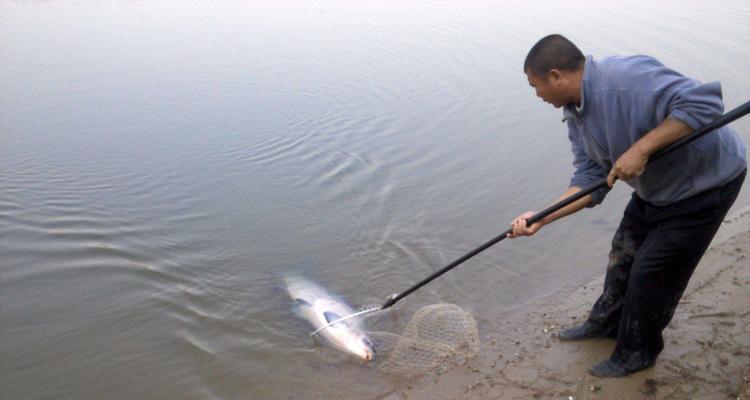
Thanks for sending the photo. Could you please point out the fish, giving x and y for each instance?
(320, 308)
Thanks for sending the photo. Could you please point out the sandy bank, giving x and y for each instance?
(707, 353)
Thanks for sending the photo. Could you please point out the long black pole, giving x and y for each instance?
(738, 112)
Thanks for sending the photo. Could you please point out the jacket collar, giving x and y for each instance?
(569, 110)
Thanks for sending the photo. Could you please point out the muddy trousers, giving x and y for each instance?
(654, 252)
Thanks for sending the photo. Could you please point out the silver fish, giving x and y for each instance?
(320, 308)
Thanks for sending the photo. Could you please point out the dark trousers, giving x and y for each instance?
(654, 252)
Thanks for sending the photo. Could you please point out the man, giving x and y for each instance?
(619, 111)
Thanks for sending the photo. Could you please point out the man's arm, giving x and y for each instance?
(520, 227)
(632, 163)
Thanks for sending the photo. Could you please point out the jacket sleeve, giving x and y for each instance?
(688, 100)
(587, 172)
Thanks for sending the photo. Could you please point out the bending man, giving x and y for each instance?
(619, 111)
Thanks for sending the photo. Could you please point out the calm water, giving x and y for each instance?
(162, 164)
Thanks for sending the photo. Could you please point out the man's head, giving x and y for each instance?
(554, 67)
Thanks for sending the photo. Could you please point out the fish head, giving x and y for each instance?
(361, 346)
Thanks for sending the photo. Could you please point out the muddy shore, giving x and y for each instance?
(706, 355)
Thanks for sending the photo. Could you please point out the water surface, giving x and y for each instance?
(162, 164)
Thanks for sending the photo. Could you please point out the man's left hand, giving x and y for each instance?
(632, 163)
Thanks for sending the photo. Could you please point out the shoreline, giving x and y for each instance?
(706, 354)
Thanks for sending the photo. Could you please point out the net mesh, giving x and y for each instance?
(437, 337)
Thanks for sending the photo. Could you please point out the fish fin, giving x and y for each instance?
(320, 340)
(301, 302)
(331, 316)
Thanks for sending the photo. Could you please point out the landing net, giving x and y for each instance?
(438, 337)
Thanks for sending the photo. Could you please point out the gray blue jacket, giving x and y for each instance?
(623, 98)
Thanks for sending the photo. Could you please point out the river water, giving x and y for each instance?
(163, 164)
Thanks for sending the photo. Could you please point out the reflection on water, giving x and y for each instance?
(161, 165)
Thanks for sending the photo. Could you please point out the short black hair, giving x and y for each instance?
(553, 52)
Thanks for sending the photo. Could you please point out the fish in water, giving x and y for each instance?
(320, 308)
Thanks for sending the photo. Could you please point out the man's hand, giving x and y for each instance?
(632, 163)
(521, 229)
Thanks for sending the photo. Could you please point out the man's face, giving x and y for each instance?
(549, 88)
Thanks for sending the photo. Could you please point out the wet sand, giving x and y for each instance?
(706, 355)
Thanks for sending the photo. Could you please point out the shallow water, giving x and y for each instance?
(163, 164)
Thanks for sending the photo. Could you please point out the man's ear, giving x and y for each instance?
(554, 76)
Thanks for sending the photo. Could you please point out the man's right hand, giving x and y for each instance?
(520, 227)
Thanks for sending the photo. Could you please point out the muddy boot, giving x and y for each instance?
(586, 330)
(609, 369)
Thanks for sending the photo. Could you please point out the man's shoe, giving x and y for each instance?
(609, 369)
(586, 330)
